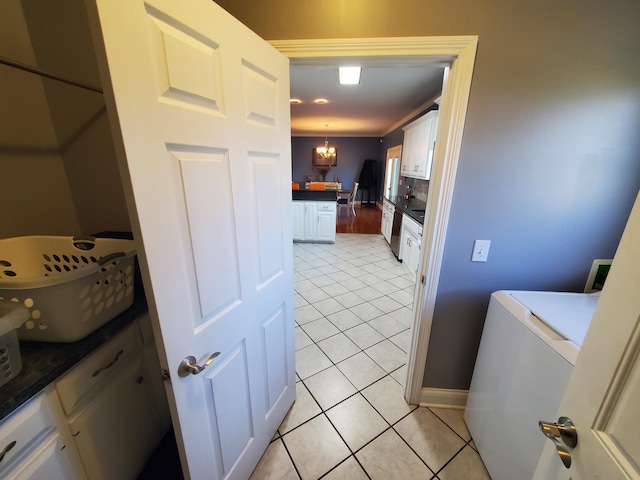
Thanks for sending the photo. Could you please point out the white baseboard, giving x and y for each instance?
(443, 398)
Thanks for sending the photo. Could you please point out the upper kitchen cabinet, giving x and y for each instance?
(417, 147)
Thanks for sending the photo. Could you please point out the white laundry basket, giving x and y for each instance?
(71, 285)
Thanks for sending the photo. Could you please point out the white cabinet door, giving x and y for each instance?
(326, 231)
(418, 145)
(390, 214)
(116, 433)
(388, 211)
(49, 461)
(424, 147)
(411, 240)
(298, 220)
(310, 221)
(412, 252)
(407, 153)
(326, 221)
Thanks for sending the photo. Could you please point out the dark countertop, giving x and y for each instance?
(43, 363)
(315, 195)
(413, 207)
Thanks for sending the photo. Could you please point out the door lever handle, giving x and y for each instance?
(188, 366)
(563, 434)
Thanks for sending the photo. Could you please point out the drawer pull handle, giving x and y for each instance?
(109, 365)
(6, 449)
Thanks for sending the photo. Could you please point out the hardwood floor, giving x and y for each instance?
(367, 220)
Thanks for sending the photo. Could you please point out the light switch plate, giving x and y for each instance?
(480, 250)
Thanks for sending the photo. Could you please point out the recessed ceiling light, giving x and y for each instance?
(349, 75)
(321, 101)
(295, 101)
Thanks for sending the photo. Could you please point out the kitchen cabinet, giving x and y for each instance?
(410, 243)
(314, 221)
(111, 408)
(388, 210)
(418, 146)
(37, 444)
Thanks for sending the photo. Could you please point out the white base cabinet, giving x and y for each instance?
(101, 420)
(49, 461)
(410, 243)
(36, 442)
(110, 404)
(314, 221)
(117, 432)
(388, 210)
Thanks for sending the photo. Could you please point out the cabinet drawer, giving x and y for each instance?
(87, 376)
(411, 225)
(25, 427)
(326, 207)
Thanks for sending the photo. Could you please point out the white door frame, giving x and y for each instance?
(459, 53)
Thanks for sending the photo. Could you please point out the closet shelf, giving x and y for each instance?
(37, 71)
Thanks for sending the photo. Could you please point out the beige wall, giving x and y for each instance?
(59, 171)
(34, 192)
(550, 160)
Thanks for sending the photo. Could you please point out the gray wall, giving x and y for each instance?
(550, 160)
(352, 152)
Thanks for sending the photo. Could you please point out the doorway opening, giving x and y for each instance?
(459, 53)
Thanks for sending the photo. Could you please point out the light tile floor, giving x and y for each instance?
(353, 315)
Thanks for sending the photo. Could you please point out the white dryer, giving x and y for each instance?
(529, 345)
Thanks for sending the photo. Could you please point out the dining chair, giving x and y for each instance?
(349, 202)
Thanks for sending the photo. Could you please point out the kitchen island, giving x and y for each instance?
(314, 215)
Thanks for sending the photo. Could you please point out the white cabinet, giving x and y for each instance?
(49, 461)
(37, 444)
(418, 145)
(111, 408)
(117, 432)
(410, 243)
(314, 221)
(326, 222)
(298, 220)
(388, 210)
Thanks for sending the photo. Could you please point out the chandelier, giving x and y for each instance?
(326, 151)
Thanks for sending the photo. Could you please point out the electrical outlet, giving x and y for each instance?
(480, 250)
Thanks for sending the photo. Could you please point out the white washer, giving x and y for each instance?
(529, 345)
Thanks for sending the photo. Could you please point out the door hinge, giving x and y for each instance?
(165, 375)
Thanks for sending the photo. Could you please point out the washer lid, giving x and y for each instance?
(569, 314)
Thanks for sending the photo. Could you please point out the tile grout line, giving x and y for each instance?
(360, 390)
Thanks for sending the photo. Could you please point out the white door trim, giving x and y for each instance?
(459, 53)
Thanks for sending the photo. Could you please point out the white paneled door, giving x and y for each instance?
(200, 114)
(603, 395)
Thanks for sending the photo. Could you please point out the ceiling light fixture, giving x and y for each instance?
(349, 75)
(295, 101)
(321, 101)
(326, 151)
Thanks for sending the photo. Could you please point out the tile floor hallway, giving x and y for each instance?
(353, 312)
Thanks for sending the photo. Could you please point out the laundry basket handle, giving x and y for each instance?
(107, 258)
(84, 242)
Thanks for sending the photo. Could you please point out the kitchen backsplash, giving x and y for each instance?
(419, 188)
